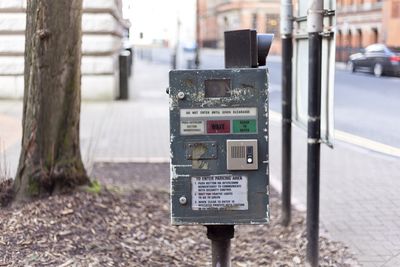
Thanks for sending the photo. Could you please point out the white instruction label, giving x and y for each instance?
(221, 192)
(192, 127)
(218, 112)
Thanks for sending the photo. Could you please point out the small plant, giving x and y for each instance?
(94, 187)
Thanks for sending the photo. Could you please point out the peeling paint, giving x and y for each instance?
(200, 165)
(174, 175)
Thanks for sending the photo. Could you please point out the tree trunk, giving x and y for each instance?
(50, 158)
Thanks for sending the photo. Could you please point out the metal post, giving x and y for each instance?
(197, 56)
(124, 75)
(174, 58)
(314, 28)
(287, 52)
(220, 236)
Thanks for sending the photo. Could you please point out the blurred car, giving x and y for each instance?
(189, 46)
(378, 59)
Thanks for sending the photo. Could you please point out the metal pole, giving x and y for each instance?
(124, 75)
(220, 236)
(287, 52)
(314, 28)
(197, 56)
(174, 63)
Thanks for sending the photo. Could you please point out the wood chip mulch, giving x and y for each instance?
(132, 229)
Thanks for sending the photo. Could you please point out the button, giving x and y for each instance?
(218, 126)
(244, 126)
(249, 154)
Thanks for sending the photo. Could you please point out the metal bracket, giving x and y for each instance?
(327, 34)
(329, 13)
(325, 12)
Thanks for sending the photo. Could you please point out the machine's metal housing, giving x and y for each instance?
(234, 108)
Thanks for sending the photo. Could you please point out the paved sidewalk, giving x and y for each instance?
(359, 197)
(131, 131)
(360, 203)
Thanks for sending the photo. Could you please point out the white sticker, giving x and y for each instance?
(218, 112)
(221, 192)
(192, 127)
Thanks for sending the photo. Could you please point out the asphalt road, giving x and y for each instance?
(364, 105)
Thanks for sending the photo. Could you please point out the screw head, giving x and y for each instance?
(181, 95)
(182, 200)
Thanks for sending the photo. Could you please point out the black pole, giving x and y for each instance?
(220, 236)
(313, 148)
(287, 48)
(124, 75)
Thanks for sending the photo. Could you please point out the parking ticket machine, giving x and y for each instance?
(219, 143)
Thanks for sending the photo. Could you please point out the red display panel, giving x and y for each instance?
(219, 126)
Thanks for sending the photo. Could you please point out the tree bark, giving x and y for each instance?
(50, 158)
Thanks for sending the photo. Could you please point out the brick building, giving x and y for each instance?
(103, 29)
(217, 16)
(364, 22)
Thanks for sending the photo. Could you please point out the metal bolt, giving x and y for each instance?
(181, 95)
(183, 200)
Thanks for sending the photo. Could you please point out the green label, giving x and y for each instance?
(244, 126)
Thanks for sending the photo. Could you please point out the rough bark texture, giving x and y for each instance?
(50, 158)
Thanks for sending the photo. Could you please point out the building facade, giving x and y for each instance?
(364, 22)
(103, 29)
(217, 16)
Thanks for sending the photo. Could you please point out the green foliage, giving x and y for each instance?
(94, 187)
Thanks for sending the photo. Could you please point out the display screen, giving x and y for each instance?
(217, 88)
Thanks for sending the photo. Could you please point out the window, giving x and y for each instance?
(226, 22)
(396, 9)
(395, 49)
(375, 48)
(272, 23)
(359, 38)
(254, 21)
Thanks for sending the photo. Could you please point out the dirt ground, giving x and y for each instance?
(127, 223)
